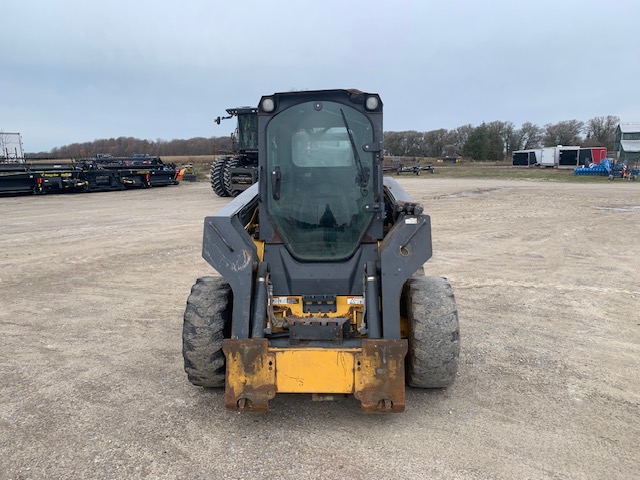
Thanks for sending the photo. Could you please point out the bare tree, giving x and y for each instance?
(528, 136)
(433, 142)
(566, 132)
(601, 131)
(393, 142)
(456, 139)
(125, 146)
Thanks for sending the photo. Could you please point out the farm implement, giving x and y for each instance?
(86, 175)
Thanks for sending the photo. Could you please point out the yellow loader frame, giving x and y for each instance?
(374, 374)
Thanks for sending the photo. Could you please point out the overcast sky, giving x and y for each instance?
(74, 71)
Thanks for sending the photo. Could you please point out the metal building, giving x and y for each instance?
(627, 143)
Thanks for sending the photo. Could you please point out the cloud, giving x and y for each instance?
(76, 70)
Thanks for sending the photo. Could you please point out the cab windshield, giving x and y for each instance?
(248, 131)
(320, 179)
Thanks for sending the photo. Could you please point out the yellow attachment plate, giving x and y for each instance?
(314, 370)
(374, 374)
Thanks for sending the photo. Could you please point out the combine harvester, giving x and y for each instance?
(232, 175)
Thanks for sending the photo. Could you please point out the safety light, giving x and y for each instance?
(372, 103)
(268, 105)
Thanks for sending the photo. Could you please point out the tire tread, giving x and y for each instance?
(434, 334)
(206, 321)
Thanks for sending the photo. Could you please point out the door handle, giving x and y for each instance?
(276, 175)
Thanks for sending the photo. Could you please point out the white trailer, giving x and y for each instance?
(548, 157)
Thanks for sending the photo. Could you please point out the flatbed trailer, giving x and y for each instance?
(415, 169)
(85, 175)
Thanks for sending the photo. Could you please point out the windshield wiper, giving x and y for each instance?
(362, 180)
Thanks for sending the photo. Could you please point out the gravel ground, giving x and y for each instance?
(547, 280)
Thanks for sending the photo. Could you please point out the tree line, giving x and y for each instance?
(497, 140)
(488, 141)
(126, 146)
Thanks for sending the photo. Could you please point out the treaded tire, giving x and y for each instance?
(231, 163)
(207, 321)
(217, 180)
(434, 335)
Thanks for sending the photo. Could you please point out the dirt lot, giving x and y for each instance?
(547, 279)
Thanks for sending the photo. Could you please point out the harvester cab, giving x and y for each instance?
(245, 138)
(231, 175)
(323, 290)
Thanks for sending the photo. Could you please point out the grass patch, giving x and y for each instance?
(489, 170)
(506, 171)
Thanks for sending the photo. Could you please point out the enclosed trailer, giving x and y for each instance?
(592, 155)
(526, 158)
(568, 157)
(548, 157)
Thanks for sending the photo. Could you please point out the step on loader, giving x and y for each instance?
(322, 288)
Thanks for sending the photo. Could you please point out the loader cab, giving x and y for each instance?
(322, 182)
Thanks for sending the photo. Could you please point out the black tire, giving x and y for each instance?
(207, 321)
(217, 180)
(434, 335)
(231, 163)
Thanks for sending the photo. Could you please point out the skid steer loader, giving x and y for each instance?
(322, 288)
